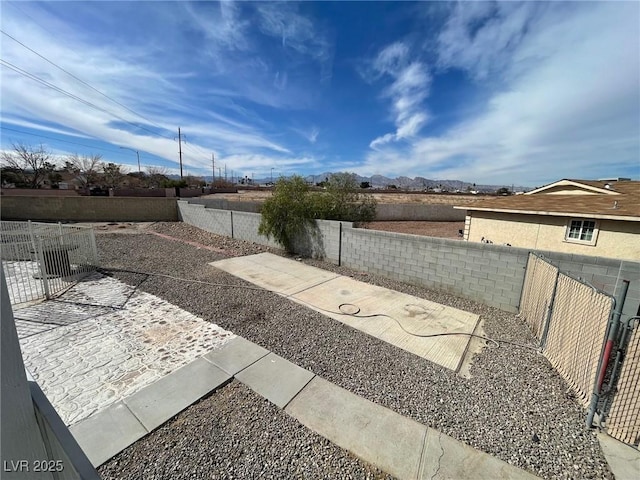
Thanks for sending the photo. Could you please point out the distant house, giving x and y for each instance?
(588, 217)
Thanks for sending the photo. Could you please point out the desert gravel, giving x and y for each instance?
(235, 433)
(514, 406)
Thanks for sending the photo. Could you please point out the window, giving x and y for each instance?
(581, 231)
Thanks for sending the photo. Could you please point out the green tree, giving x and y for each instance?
(286, 213)
(292, 208)
(343, 200)
(168, 183)
(113, 174)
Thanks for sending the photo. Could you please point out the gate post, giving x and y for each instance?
(614, 323)
(545, 330)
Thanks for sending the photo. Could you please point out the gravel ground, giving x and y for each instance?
(515, 406)
(235, 433)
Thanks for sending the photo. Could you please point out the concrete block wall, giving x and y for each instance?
(418, 212)
(214, 221)
(89, 209)
(323, 240)
(224, 204)
(606, 274)
(384, 211)
(245, 227)
(487, 273)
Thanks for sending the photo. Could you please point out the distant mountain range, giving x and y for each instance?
(404, 183)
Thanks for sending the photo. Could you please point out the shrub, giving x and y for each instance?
(286, 213)
(292, 208)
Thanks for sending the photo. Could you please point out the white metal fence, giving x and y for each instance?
(41, 260)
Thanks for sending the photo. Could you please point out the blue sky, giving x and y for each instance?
(489, 93)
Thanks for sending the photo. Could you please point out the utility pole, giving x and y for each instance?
(213, 167)
(225, 172)
(180, 150)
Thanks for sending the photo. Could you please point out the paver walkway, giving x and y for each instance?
(102, 341)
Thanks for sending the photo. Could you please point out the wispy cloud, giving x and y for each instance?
(153, 88)
(309, 134)
(565, 100)
(407, 92)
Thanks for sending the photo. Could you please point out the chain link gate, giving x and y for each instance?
(576, 332)
(572, 320)
(621, 410)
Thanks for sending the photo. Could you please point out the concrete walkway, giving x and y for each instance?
(70, 344)
(435, 332)
(379, 436)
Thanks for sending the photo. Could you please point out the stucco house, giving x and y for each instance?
(587, 217)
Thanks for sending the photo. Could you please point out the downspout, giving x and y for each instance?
(614, 324)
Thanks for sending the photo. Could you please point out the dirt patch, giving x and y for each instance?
(428, 229)
(393, 198)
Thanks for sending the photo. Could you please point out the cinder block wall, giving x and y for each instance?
(245, 227)
(418, 212)
(224, 204)
(89, 209)
(214, 221)
(488, 273)
(606, 274)
(384, 211)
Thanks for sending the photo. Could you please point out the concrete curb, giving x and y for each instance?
(379, 436)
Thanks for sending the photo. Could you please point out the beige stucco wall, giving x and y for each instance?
(616, 239)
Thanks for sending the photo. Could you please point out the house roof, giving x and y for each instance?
(587, 198)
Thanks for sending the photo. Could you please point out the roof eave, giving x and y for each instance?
(566, 182)
(627, 218)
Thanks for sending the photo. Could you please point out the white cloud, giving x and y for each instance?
(133, 78)
(481, 37)
(409, 89)
(565, 100)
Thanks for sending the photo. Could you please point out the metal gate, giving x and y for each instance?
(537, 294)
(623, 418)
(43, 259)
(569, 318)
(576, 333)
(574, 322)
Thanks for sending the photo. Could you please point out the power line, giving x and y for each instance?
(80, 80)
(35, 78)
(56, 139)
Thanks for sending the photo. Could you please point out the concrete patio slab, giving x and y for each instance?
(158, 402)
(275, 273)
(402, 320)
(376, 434)
(99, 360)
(275, 378)
(623, 459)
(446, 458)
(236, 355)
(107, 433)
